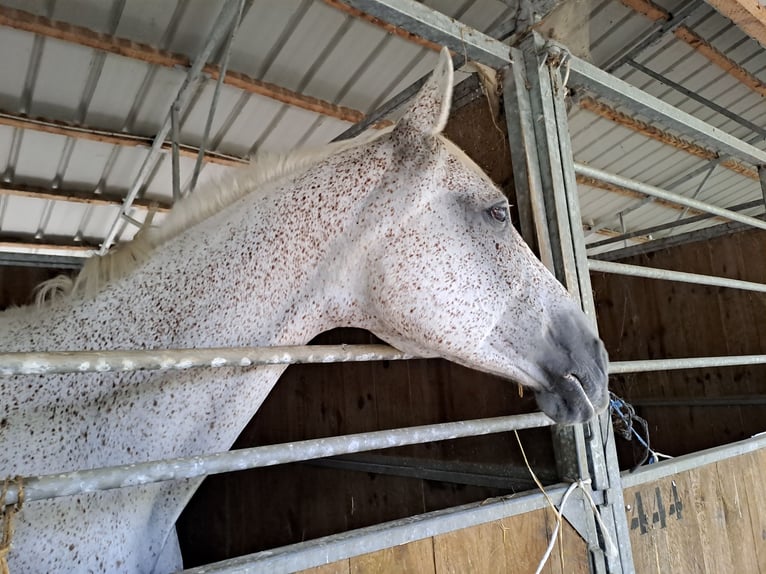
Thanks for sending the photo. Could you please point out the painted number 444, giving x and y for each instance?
(652, 510)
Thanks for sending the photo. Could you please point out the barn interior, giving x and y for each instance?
(86, 157)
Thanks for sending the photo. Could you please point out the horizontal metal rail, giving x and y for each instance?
(364, 540)
(325, 550)
(723, 401)
(642, 366)
(668, 275)
(179, 359)
(653, 191)
(108, 478)
(588, 76)
(666, 468)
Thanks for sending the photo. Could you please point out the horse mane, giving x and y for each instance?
(214, 196)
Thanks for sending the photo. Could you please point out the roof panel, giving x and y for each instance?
(63, 71)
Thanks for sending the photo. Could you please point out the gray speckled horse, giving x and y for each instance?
(400, 234)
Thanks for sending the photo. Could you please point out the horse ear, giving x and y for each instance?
(428, 112)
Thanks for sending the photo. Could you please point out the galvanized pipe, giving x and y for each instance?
(179, 359)
(57, 485)
(667, 275)
(222, 25)
(653, 191)
(621, 367)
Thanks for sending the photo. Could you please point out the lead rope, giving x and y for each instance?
(8, 512)
(584, 486)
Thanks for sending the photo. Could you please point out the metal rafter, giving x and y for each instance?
(589, 77)
(437, 28)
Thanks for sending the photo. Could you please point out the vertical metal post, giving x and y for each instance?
(542, 156)
(762, 179)
(175, 150)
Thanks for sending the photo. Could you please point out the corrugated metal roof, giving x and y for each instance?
(316, 50)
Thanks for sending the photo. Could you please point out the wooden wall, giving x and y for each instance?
(514, 545)
(709, 519)
(704, 520)
(647, 319)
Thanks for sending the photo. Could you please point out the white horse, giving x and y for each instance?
(400, 234)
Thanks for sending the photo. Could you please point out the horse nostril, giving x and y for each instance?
(571, 377)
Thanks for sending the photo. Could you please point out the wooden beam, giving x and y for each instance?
(685, 34)
(748, 15)
(648, 130)
(79, 196)
(12, 245)
(108, 137)
(648, 8)
(390, 28)
(42, 26)
(721, 60)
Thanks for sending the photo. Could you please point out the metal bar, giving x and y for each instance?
(503, 476)
(398, 100)
(108, 478)
(668, 275)
(762, 180)
(741, 401)
(175, 148)
(696, 97)
(674, 240)
(179, 359)
(345, 545)
(658, 30)
(214, 101)
(434, 26)
(670, 225)
(590, 77)
(653, 191)
(648, 365)
(222, 25)
(579, 449)
(666, 468)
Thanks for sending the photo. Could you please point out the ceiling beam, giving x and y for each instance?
(748, 15)
(390, 28)
(33, 248)
(42, 26)
(613, 115)
(436, 28)
(79, 196)
(685, 34)
(109, 137)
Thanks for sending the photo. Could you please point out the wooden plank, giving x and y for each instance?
(748, 15)
(477, 549)
(720, 59)
(42, 26)
(65, 129)
(755, 494)
(415, 558)
(340, 567)
(738, 534)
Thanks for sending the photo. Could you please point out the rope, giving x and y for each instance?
(585, 486)
(8, 512)
(624, 419)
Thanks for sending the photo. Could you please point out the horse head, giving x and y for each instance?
(448, 275)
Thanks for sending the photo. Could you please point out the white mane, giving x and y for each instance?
(213, 197)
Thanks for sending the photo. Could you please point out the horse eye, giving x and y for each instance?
(499, 213)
